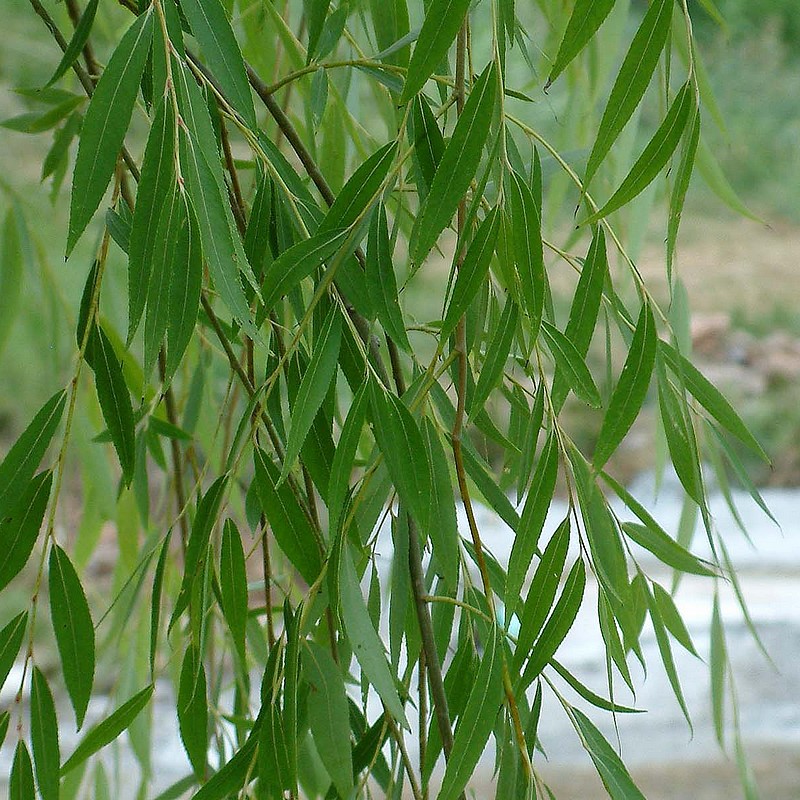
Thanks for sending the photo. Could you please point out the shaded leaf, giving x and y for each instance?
(20, 783)
(12, 265)
(666, 549)
(76, 43)
(231, 775)
(10, 640)
(5, 718)
(44, 737)
(233, 584)
(72, 624)
(588, 695)
(672, 618)
(192, 710)
(316, 11)
(571, 364)
(428, 143)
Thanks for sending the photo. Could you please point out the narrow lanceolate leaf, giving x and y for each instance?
(316, 12)
(709, 397)
(19, 530)
(494, 361)
(105, 124)
(540, 495)
(233, 584)
(666, 549)
(355, 197)
(584, 309)
(477, 720)
(44, 737)
(184, 293)
(381, 280)
(632, 80)
(213, 31)
(76, 43)
(5, 718)
(587, 17)
(20, 783)
(12, 270)
(672, 618)
(542, 592)
(683, 176)
(297, 263)
(443, 18)
(610, 768)
(106, 731)
(458, 166)
(655, 155)
(472, 271)
(24, 456)
(232, 775)
(329, 716)
(403, 448)
(571, 364)
(289, 524)
(193, 711)
(314, 387)
(428, 144)
(630, 391)
(526, 236)
(10, 641)
(115, 400)
(367, 646)
(72, 624)
(155, 600)
(718, 663)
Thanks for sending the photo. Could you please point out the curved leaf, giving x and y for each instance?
(571, 364)
(20, 783)
(666, 549)
(10, 640)
(44, 737)
(76, 43)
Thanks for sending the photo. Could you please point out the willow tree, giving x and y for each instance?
(340, 223)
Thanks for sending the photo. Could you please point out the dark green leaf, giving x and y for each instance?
(314, 387)
(105, 124)
(610, 768)
(328, 715)
(683, 176)
(588, 695)
(571, 364)
(44, 737)
(289, 524)
(443, 18)
(632, 80)
(428, 144)
(74, 630)
(193, 710)
(390, 20)
(20, 784)
(115, 400)
(672, 618)
(666, 549)
(587, 17)
(316, 11)
(232, 775)
(76, 43)
(107, 730)
(10, 640)
(476, 721)
(25, 454)
(5, 718)
(233, 584)
(472, 271)
(458, 165)
(19, 531)
(212, 29)
(630, 391)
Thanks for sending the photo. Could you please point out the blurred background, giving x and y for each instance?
(739, 270)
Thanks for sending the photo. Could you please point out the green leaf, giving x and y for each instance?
(381, 280)
(155, 602)
(495, 358)
(289, 524)
(630, 391)
(584, 309)
(542, 592)
(683, 176)
(233, 584)
(213, 31)
(526, 237)
(632, 80)
(477, 720)
(316, 12)
(443, 19)
(610, 768)
(537, 503)
(297, 263)
(72, 624)
(428, 143)
(717, 181)
(666, 549)
(709, 397)
(193, 711)
(25, 454)
(655, 155)
(314, 387)
(672, 618)
(115, 400)
(44, 737)
(587, 17)
(328, 715)
(10, 640)
(107, 730)
(471, 273)
(105, 124)
(367, 646)
(5, 718)
(559, 624)
(12, 267)
(571, 364)
(76, 43)
(588, 695)
(390, 21)
(19, 531)
(400, 441)
(273, 758)
(718, 662)
(232, 775)
(458, 166)
(20, 784)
